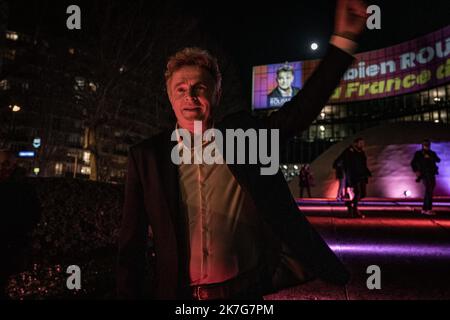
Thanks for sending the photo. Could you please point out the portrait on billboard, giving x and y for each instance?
(285, 89)
(415, 65)
(274, 85)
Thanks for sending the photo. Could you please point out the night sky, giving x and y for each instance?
(255, 33)
(283, 31)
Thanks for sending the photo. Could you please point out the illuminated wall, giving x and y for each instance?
(389, 150)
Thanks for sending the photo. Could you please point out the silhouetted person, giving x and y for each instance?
(356, 175)
(338, 166)
(424, 165)
(20, 213)
(305, 180)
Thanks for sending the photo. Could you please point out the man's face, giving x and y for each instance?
(192, 93)
(285, 79)
(426, 146)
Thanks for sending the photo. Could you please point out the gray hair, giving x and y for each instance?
(193, 56)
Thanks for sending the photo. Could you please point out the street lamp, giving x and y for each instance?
(314, 46)
(15, 108)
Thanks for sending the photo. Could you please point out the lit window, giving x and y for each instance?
(92, 86)
(85, 170)
(58, 169)
(9, 54)
(86, 156)
(71, 50)
(79, 83)
(441, 93)
(4, 85)
(15, 108)
(436, 115)
(12, 35)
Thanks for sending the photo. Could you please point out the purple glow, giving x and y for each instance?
(443, 179)
(374, 203)
(372, 209)
(392, 173)
(437, 204)
(395, 174)
(437, 251)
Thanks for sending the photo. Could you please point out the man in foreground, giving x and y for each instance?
(225, 231)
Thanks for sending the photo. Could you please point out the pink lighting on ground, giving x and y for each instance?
(436, 251)
(391, 170)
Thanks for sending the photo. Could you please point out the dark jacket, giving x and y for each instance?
(355, 166)
(426, 166)
(305, 178)
(338, 166)
(152, 197)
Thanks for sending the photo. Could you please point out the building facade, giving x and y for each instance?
(48, 109)
(340, 121)
(408, 82)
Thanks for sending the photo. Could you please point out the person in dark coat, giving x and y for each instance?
(356, 175)
(338, 167)
(424, 166)
(225, 231)
(305, 180)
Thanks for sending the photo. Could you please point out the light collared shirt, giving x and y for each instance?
(226, 237)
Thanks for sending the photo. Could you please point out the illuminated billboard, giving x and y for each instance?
(275, 84)
(419, 64)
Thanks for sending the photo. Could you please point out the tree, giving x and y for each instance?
(109, 74)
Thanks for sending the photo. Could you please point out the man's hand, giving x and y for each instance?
(350, 20)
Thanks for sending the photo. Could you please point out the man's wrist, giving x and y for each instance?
(344, 43)
(348, 35)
